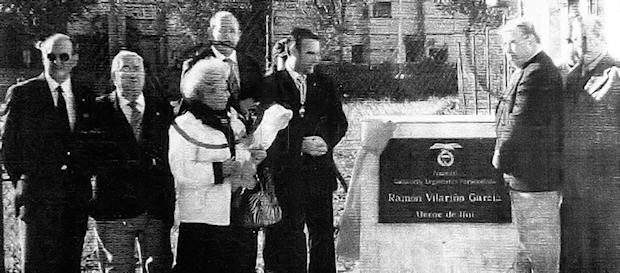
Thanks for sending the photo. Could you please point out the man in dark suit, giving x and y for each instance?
(529, 115)
(528, 146)
(301, 160)
(590, 212)
(47, 161)
(134, 193)
(246, 74)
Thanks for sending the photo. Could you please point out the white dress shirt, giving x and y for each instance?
(67, 94)
(300, 82)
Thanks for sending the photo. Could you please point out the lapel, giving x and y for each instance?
(509, 96)
(290, 89)
(312, 90)
(42, 101)
(240, 67)
(119, 117)
(79, 99)
(150, 111)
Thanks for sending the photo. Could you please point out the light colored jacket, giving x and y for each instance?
(198, 198)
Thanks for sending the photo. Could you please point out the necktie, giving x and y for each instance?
(135, 119)
(301, 85)
(61, 107)
(233, 81)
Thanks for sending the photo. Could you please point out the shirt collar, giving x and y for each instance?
(294, 74)
(219, 55)
(53, 84)
(123, 101)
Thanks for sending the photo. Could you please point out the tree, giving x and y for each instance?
(194, 16)
(38, 19)
(480, 16)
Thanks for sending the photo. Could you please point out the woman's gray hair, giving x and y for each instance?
(205, 72)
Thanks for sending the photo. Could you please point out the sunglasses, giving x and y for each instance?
(62, 56)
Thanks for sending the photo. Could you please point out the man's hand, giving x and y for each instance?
(258, 155)
(495, 160)
(246, 104)
(230, 167)
(314, 146)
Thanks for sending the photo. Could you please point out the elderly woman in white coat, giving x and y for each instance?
(202, 156)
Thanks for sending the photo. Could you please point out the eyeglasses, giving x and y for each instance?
(62, 56)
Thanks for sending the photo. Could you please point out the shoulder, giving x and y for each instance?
(247, 59)
(278, 76)
(156, 101)
(190, 126)
(323, 78)
(160, 105)
(24, 89)
(543, 69)
(30, 84)
(106, 98)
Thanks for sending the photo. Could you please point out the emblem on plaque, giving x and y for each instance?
(445, 158)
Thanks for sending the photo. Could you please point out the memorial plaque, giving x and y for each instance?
(441, 180)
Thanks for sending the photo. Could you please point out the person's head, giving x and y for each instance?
(587, 37)
(206, 83)
(127, 73)
(304, 51)
(224, 28)
(520, 41)
(58, 56)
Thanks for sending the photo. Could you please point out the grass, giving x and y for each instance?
(344, 155)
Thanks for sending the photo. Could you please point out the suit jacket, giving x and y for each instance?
(250, 72)
(133, 176)
(36, 144)
(528, 126)
(590, 215)
(323, 117)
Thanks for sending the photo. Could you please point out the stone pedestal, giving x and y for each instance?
(436, 247)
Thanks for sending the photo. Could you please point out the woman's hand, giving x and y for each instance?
(230, 167)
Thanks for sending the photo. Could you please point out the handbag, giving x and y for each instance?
(260, 208)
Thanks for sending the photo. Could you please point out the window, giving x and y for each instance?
(17, 50)
(414, 47)
(364, 12)
(382, 10)
(593, 7)
(357, 54)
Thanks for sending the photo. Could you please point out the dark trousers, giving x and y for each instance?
(54, 236)
(118, 238)
(285, 242)
(206, 248)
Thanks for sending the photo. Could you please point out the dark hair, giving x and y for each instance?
(300, 34)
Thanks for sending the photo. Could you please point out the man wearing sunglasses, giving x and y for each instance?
(45, 157)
